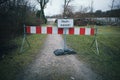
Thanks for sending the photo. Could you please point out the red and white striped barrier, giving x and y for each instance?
(56, 30)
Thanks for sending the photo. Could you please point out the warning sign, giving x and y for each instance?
(65, 23)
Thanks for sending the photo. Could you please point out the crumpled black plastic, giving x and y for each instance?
(64, 51)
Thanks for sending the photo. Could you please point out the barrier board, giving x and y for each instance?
(56, 30)
(59, 30)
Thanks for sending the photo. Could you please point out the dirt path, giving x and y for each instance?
(47, 66)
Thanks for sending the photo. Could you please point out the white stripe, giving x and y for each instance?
(33, 29)
(76, 30)
(44, 30)
(87, 31)
(54, 30)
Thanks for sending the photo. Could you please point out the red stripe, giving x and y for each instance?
(92, 31)
(49, 26)
(60, 30)
(71, 30)
(49, 30)
(28, 29)
(38, 30)
(82, 31)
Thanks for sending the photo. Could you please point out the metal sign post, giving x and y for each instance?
(65, 24)
(65, 44)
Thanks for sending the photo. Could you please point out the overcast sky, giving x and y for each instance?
(55, 6)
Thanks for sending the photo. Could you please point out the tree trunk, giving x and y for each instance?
(42, 14)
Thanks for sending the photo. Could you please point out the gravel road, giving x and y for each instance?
(47, 66)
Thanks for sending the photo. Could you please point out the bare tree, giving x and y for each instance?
(82, 12)
(112, 6)
(83, 9)
(69, 11)
(91, 6)
(116, 4)
(42, 6)
(66, 4)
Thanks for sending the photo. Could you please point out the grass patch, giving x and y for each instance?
(15, 62)
(107, 63)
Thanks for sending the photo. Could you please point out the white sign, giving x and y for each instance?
(65, 23)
